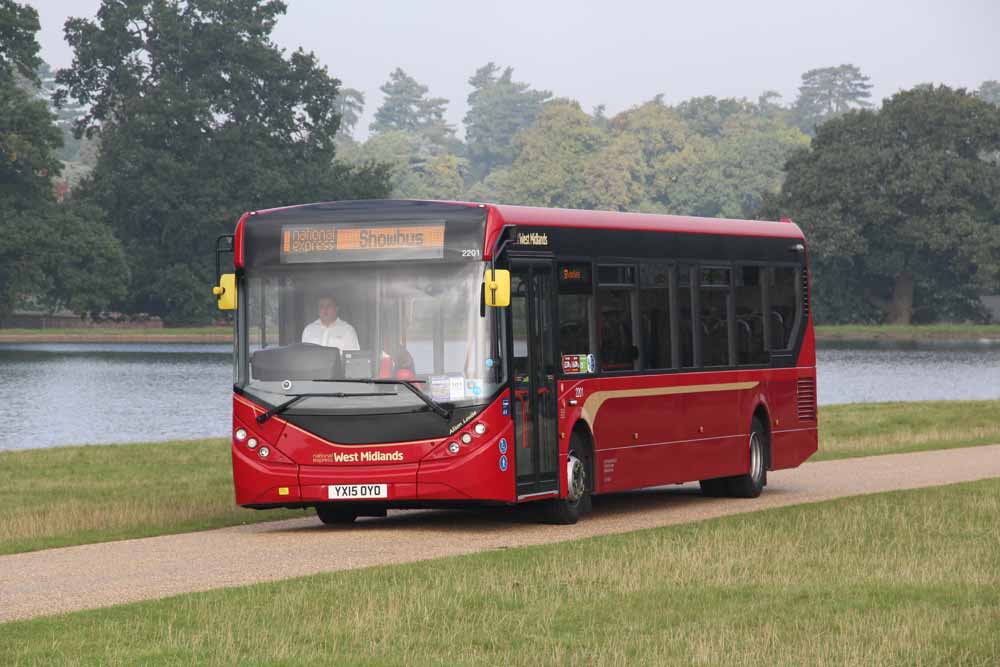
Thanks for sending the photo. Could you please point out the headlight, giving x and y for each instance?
(241, 434)
(252, 443)
(453, 447)
(466, 438)
(479, 428)
(263, 452)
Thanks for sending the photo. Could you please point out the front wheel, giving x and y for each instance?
(336, 515)
(568, 510)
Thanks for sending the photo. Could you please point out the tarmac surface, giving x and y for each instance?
(99, 575)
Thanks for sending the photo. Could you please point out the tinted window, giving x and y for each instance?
(616, 275)
(654, 315)
(782, 291)
(749, 295)
(574, 324)
(714, 307)
(614, 321)
(685, 310)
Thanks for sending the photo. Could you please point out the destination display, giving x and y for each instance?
(355, 242)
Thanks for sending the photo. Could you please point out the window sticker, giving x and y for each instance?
(456, 388)
(440, 387)
(578, 363)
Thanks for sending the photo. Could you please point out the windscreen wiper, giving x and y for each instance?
(436, 407)
(278, 409)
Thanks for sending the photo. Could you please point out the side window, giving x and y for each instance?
(714, 294)
(750, 348)
(654, 315)
(615, 290)
(576, 315)
(685, 316)
(782, 292)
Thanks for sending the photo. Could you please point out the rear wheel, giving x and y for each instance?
(751, 484)
(579, 483)
(333, 515)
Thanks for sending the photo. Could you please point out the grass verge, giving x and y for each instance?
(915, 332)
(77, 495)
(901, 578)
(872, 429)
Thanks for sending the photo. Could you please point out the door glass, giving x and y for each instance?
(534, 369)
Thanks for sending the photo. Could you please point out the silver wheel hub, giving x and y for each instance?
(756, 457)
(576, 477)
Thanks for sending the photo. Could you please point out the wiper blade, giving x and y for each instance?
(278, 409)
(436, 407)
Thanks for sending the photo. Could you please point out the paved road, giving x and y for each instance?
(99, 575)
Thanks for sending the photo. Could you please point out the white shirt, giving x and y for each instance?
(340, 334)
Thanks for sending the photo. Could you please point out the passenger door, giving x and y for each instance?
(533, 369)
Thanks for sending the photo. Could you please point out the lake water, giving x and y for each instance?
(66, 394)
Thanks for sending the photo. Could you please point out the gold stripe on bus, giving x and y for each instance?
(594, 402)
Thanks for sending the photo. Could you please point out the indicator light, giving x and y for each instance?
(263, 452)
(241, 434)
(252, 443)
(479, 428)
(466, 438)
(453, 447)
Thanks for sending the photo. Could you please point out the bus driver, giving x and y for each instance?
(328, 330)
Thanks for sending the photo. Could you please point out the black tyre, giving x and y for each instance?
(579, 475)
(715, 488)
(333, 515)
(751, 484)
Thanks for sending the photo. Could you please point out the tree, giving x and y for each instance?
(418, 169)
(829, 92)
(407, 108)
(350, 104)
(901, 207)
(201, 117)
(553, 157)
(51, 254)
(499, 108)
(707, 115)
(989, 91)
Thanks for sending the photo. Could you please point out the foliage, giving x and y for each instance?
(407, 108)
(901, 206)
(54, 254)
(828, 92)
(990, 92)
(18, 46)
(350, 104)
(418, 168)
(499, 108)
(201, 116)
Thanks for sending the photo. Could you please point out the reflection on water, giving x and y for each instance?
(66, 394)
(853, 373)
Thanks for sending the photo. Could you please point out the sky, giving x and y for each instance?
(623, 53)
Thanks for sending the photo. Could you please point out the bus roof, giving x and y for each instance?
(506, 214)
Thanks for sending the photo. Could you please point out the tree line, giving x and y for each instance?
(188, 114)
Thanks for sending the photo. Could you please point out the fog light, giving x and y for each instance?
(466, 438)
(241, 434)
(263, 452)
(252, 443)
(453, 448)
(479, 429)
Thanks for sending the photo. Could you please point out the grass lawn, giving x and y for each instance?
(900, 332)
(908, 578)
(870, 429)
(77, 495)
